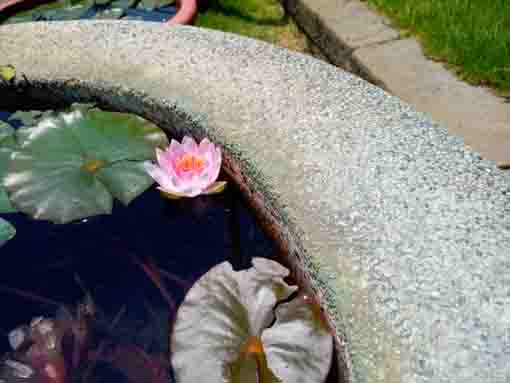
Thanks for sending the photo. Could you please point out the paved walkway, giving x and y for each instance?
(355, 38)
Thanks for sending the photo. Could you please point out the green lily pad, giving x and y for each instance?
(7, 231)
(102, 2)
(150, 5)
(7, 145)
(72, 166)
(124, 4)
(114, 13)
(7, 72)
(69, 13)
(31, 117)
(55, 10)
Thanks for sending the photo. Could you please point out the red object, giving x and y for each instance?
(186, 12)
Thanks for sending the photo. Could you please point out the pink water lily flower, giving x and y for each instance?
(187, 169)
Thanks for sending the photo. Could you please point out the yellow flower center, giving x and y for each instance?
(253, 346)
(92, 166)
(189, 162)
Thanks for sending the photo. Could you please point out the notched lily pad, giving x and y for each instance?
(73, 165)
(7, 231)
(7, 72)
(227, 321)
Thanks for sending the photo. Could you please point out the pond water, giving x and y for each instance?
(61, 10)
(136, 264)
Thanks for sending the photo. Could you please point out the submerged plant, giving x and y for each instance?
(187, 169)
(67, 348)
(233, 328)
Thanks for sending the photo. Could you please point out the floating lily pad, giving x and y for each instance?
(113, 13)
(72, 166)
(150, 5)
(69, 13)
(7, 145)
(232, 322)
(7, 231)
(124, 4)
(7, 72)
(102, 2)
(45, 11)
(31, 117)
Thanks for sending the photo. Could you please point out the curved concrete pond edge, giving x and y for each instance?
(399, 230)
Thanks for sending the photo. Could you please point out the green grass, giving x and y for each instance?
(259, 19)
(472, 36)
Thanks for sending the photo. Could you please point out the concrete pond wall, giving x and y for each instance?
(404, 231)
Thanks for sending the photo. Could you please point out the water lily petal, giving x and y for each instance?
(216, 165)
(189, 145)
(171, 195)
(163, 158)
(161, 177)
(213, 161)
(166, 162)
(174, 151)
(189, 181)
(205, 146)
(174, 146)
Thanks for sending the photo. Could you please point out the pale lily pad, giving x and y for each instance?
(226, 323)
(299, 325)
(72, 166)
(7, 231)
(7, 145)
(7, 72)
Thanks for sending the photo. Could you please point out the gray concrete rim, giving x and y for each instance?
(354, 37)
(403, 230)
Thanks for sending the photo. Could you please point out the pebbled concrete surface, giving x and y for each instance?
(408, 231)
(355, 38)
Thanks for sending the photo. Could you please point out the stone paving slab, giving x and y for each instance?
(405, 231)
(355, 38)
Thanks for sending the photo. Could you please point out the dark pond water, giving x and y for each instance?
(47, 265)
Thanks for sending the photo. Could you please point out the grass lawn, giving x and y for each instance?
(260, 19)
(472, 36)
